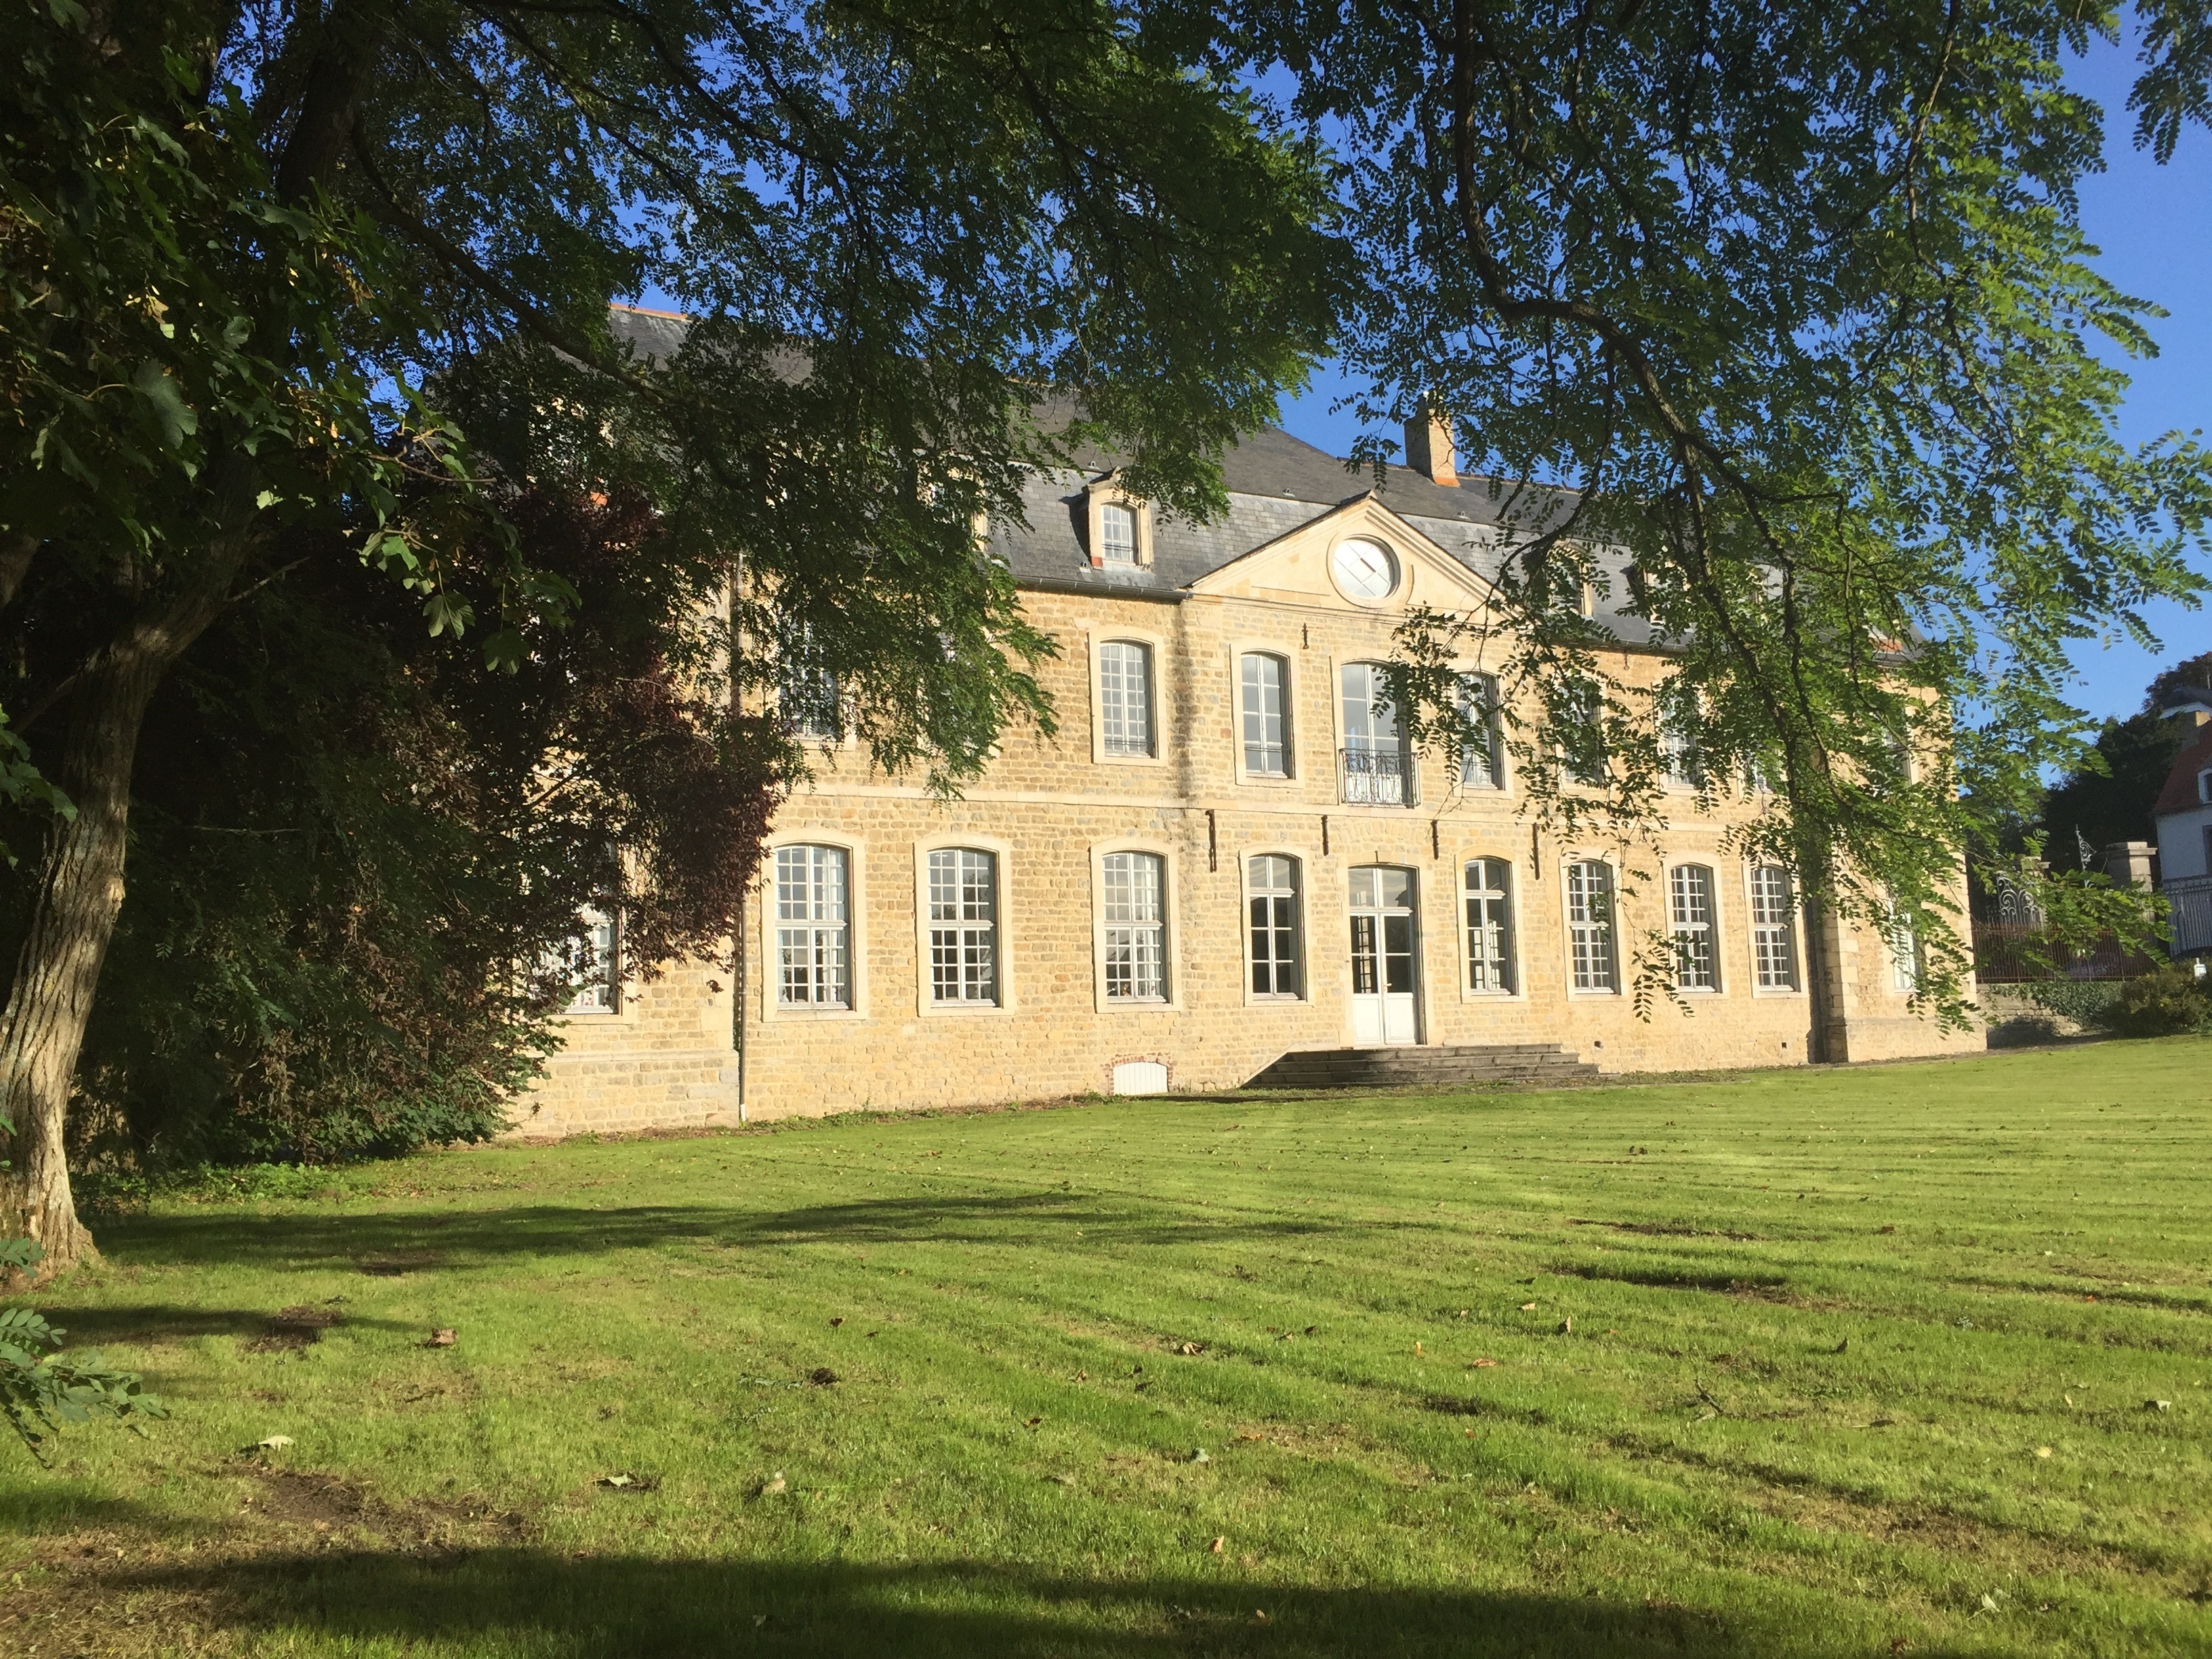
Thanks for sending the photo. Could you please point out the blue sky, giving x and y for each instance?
(2154, 225)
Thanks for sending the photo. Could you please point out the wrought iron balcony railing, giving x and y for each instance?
(1377, 777)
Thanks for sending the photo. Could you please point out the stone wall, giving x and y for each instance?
(1050, 807)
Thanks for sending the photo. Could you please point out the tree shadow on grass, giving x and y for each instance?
(555, 1607)
(386, 1242)
(146, 1325)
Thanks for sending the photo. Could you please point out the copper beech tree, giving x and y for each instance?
(275, 272)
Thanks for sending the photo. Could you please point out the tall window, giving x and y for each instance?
(1267, 721)
(1590, 924)
(1773, 929)
(1125, 696)
(964, 926)
(807, 692)
(1578, 733)
(1135, 942)
(1482, 759)
(1904, 950)
(1374, 759)
(593, 962)
(1690, 898)
(1489, 925)
(1274, 927)
(1117, 535)
(813, 929)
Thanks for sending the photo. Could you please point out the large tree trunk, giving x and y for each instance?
(73, 915)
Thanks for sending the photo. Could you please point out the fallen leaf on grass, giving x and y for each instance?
(2043, 1451)
(443, 1337)
(2158, 1405)
(624, 1480)
(1528, 1307)
(1033, 1422)
(274, 1442)
(770, 1487)
(1199, 1456)
(1484, 1365)
(1191, 1348)
(1061, 1480)
(1259, 1616)
(838, 1321)
(1219, 1544)
(822, 1377)
(1313, 1330)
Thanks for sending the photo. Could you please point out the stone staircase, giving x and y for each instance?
(1457, 1066)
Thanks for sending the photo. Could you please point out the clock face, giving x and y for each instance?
(1364, 569)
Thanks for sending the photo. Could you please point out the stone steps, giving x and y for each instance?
(1442, 1066)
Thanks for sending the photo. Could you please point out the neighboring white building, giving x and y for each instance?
(2185, 833)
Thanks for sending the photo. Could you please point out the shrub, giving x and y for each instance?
(41, 1392)
(2089, 1003)
(2162, 1002)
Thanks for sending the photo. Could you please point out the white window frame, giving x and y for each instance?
(1515, 972)
(804, 724)
(773, 1007)
(1171, 964)
(1500, 779)
(1411, 786)
(925, 1002)
(1569, 924)
(1676, 927)
(1156, 658)
(1901, 943)
(599, 999)
(1287, 692)
(1300, 965)
(1101, 494)
(1792, 927)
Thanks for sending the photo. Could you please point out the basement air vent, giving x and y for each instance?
(1140, 1077)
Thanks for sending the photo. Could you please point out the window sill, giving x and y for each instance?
(811, 1014)
(1268, 779)
(1139, 1005)
(1274, 1000)
(1776, 990)
(1105, 759)
(963, 1010)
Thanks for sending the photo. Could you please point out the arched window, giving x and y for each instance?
(813, 929)
(1124, 697)
(964, 926)
(1589, 924)
(1264, 684)
(1773, 929)
(1376, 769)
(1117, 534)
(1690, 902)
(1133, 939)
(1489, 925)
(1274, 927)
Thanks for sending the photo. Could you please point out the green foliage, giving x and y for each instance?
(2166, 1001)
(40, 1392)
(1792, 306)
(2089, 1003)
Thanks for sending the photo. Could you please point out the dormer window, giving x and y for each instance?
(1119, 527)
(1117, 534)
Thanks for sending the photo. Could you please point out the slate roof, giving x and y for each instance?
(2179, 794)
(1276, 483)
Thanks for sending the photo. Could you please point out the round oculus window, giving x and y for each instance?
(1364, 569)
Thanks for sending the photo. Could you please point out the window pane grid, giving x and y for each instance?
(1482, 762)
(1124, 697)
(1489, 925)
(813, 960)
(1274, 928)
(1266, 732)
(963, 916)
(1774, 941)
(1691, 897)
(1589, 924)
(1135, 936)
(1117, 537)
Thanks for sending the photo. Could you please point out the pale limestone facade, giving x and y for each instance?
(1048, 812)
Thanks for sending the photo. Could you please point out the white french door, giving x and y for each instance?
(1384, 957)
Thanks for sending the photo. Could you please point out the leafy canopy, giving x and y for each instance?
(1792, 304)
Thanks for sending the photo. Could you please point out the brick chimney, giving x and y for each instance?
(1429, 448)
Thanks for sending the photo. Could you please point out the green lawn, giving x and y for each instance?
(1790, 1363)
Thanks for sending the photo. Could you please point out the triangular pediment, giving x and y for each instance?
(1299, 565)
